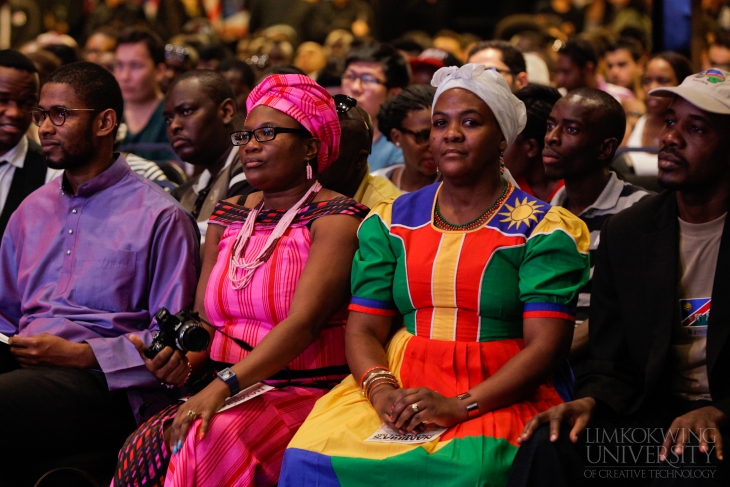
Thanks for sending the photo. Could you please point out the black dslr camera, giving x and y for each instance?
(181, 331)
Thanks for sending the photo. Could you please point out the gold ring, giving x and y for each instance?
(192, 414)
(414, 406)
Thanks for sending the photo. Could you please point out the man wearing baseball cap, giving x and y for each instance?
(652, 406)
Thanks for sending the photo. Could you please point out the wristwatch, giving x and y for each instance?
(229, 377)
(472, 410)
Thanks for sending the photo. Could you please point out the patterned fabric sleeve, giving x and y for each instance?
(226, 213)
(374, 265)
(555, 267)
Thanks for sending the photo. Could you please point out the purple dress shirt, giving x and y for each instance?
(96, 266)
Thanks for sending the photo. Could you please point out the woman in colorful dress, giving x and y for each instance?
(485, 277)
(274, 284)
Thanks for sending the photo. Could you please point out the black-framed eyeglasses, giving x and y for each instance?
(366, 79)
(263, 134)
(344, 103)
(56, 114)
(422, 136)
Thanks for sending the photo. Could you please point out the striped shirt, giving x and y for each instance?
(615, 197)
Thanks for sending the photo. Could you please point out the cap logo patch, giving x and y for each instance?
(712, 75)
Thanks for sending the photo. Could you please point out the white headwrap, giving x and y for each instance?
(491, 87)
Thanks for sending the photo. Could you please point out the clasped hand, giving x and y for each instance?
(395, 408)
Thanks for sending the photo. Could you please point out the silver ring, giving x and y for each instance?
(414, 406)
(192, 414)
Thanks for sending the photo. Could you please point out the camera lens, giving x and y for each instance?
(193, 337)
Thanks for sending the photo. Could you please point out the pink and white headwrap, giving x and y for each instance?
(306, 102)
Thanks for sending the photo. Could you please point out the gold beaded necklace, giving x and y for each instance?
(443, 224)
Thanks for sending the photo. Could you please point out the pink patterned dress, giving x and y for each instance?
(245, 444)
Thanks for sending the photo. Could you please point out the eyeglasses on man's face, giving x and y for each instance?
(422, 136)
(368, 80)
(263, 134)
(56, 114)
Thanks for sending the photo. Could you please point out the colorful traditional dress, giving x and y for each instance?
(245, 444)
(463, 296)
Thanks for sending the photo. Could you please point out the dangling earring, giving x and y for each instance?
(309, 170)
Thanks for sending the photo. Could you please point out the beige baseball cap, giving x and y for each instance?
(708, 90)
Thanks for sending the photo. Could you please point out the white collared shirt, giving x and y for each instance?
(15, 158)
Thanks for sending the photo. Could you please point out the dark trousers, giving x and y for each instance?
(618, 451)
(58, 417)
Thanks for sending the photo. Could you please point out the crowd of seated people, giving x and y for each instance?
(440, 260)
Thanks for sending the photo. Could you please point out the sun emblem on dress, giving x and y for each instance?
(523, 212)
(688, 306)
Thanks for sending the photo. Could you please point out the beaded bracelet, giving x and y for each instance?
(362, 379)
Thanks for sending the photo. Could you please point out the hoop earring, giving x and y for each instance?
(309, 170)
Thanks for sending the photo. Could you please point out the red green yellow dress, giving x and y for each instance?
(463, 296)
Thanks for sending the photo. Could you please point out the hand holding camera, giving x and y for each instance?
(165, 357)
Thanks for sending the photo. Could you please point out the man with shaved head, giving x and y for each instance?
(655, 386)
(200, 113)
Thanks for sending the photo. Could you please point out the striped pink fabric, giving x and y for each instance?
(245, 446)
(251, 313)
(306, 102)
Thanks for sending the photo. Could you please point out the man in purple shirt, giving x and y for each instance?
(86, 261)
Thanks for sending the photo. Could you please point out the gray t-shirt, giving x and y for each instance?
(699, 245)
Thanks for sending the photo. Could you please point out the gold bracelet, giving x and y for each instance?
(395, 386)
(380, 380)
(373, 375)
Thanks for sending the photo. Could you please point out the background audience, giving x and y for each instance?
(187, 67)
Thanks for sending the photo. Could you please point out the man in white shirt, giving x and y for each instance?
(22, 165)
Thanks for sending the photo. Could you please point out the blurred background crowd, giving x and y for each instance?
(248, 39)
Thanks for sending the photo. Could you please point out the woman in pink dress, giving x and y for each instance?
(274, 283)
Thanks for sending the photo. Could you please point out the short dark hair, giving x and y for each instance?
(511, 56)
(234, 64)
(680, 64)
(395, 67)
(580, 51)
(153, 42)
(630, 45)
(608, 113)
(96, 86)
(212, 83)
(10, 58)
(539, 101)
(395, 109)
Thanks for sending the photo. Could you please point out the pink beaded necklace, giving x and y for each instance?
(240, 270)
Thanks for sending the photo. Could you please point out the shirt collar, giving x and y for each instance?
(16, 155)
(204, 178)
(605, 201)
(111, 176)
